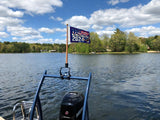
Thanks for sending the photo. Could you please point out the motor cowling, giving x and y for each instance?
(72, 106)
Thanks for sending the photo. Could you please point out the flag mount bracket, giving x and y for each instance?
(65, 72)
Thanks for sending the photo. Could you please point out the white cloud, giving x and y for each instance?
(99, 19)
(48, 30)
(9, 17)
(113, 16)
(108, 30)
(123, 17)
(45, 40)
(78, 21)
(145, 31)
(14, 38)
(97, 27)
(56, 19)
(6, 12)
(49, 40)
(12, 10)
(152, 8)
(26, 34)
(33, 6)
(9, 21)
(3, 34)
(33, 39)
(60, 41)
(123, 1)
(22, 31)
(134, 16)
(114, 2)
(26, 38)
(60, 29)
(59, 18)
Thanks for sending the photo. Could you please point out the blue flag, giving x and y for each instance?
(78, 35)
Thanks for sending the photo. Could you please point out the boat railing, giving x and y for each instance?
(37, 102)
(24, 112)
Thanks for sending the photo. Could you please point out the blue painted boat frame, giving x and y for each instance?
(85, 115)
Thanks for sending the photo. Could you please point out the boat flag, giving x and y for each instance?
(79, 35)
(76, 35)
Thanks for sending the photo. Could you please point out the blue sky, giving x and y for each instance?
(44, 21)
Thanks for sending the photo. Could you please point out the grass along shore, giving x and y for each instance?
(115, 53)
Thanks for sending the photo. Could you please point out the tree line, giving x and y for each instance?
(22, 47)
(118, 42)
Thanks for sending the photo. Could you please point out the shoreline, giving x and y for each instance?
(153, 51)
(111, 53)
(93, 53)
(119, 53)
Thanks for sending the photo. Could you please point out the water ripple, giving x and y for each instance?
(124, 87)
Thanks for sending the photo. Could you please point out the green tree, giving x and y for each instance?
(132, 43)
(33, 48)
(143, 48)
(7, 47)
(25, 48)
(79, 48)
(148, 42)
(96, 43)
(105, 41)
(155, 44)
(56, 47)
(118, 41)
(36, 47)
(62, 47)
(1, 45)
(72, 48)
(82, 48)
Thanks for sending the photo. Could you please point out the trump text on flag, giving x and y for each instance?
(78, 35)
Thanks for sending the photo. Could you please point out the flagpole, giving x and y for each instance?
(66, 64)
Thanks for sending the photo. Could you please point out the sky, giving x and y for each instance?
(44, 21)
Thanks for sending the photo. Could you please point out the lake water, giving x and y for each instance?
(123, 87)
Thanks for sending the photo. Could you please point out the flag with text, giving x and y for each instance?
(79, 35)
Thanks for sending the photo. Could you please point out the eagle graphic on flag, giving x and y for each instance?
(79, 35)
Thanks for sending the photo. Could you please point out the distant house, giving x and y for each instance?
(43, 51)
(52, 50)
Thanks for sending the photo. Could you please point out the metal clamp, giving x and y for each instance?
(65, 72)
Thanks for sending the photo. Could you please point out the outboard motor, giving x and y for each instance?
(72, 106)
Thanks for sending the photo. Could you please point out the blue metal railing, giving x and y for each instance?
(85, 115)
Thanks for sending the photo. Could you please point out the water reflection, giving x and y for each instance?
(124, 87)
